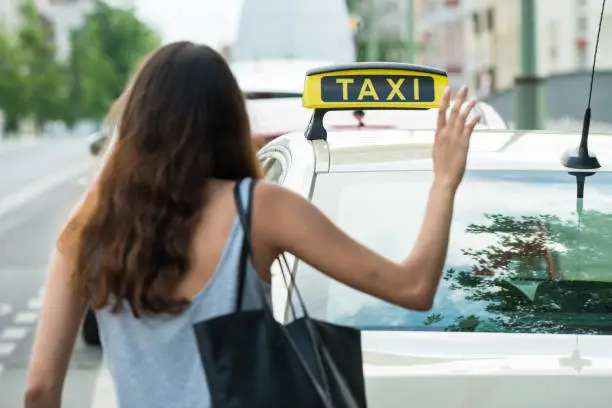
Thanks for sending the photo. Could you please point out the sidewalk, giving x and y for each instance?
(16, 144)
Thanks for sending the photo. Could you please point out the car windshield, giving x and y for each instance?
(519, 260)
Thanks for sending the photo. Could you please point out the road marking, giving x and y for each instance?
(35, 190)
(7, 348)
(35, 303)
(5, 309)
(14, 333)
(104, 390)
(26, 317)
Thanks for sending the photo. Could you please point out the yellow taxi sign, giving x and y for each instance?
(370, 85)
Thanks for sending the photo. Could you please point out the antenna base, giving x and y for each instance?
(580, 158)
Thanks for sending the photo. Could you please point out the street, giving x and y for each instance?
(39, 185)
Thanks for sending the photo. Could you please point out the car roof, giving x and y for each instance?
(381, 150)
(284, 115)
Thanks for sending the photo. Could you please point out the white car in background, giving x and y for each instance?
(273, 91)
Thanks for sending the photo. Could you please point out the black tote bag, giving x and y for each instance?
(253, 361)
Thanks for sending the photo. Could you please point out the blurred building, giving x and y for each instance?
(296, 29)
(441, 28)
(226, 51)
(9, 13)
(478, 41)
(60, 16)
(66, 16)
(126, 4)
(388, 23)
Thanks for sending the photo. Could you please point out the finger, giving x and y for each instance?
(443, 108)
(459, 101)
(465, 112)
(469, 127)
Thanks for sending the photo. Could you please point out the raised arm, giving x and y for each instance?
(288, 222)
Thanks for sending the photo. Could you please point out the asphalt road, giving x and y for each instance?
(39, 185)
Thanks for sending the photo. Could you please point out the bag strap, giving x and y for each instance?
(244, 253)
(244, 215)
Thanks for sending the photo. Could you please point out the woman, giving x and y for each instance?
(155, 245)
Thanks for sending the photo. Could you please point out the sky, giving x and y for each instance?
(212, 22)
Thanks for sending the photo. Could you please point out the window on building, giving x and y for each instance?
(581, 56)
(392, 7)
(490, 19)
(492, 79)
(476, 22)
(582, 24)
(553, 41)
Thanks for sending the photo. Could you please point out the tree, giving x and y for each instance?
(12, 101)
(44, 85)
(105, 52)
(524, 248)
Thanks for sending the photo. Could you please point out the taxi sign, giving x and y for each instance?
(370, 85)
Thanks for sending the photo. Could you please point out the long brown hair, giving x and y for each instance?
(183, 122)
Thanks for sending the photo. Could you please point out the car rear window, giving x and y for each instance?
(520, 258)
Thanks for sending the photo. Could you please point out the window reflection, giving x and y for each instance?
(518, 260)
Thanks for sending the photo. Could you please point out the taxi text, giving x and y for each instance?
(377, 88)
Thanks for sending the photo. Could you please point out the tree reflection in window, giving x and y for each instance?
(538, 275)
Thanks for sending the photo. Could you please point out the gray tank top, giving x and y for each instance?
(154, 361)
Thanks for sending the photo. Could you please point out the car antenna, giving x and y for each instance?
(580, 158)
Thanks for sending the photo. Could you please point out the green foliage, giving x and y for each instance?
(12, 101)
(522, 241)
(43, 90)
(105, 51)
(518, 253)
(351, 6)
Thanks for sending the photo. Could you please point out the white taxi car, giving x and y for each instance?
(523, 315)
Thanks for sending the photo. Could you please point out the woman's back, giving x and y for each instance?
(154, 360)
(155, 246)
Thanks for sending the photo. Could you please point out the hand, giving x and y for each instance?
(452, 139)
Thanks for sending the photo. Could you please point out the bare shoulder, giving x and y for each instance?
(277, 206)
(272, 194)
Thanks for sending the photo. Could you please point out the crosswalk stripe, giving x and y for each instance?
(7, 348)
(13, 333)
(26, 318)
